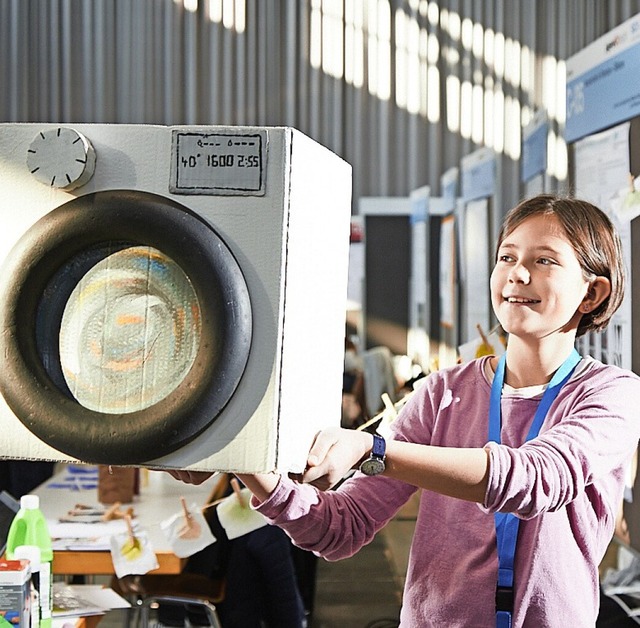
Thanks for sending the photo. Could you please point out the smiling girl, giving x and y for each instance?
(520, 462)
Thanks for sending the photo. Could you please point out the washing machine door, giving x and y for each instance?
(126, 327)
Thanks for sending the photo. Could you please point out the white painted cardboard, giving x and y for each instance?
(292, 246)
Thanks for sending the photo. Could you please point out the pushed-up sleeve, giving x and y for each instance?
(585, 444)
(335, 524)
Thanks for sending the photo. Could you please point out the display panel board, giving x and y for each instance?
(387, 237)
(603, 136)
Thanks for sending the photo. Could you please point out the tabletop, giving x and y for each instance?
(159, 498)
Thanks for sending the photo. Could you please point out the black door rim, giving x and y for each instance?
(139, 218)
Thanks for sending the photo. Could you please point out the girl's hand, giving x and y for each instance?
(190, 477)
(335, 451)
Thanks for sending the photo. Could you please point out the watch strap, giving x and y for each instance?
(379, 447)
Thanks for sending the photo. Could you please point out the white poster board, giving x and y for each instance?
(476, 260)
(602, 167)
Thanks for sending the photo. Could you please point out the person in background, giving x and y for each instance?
(262, 587)
(354, 411)
(20, 477)
(539, 439)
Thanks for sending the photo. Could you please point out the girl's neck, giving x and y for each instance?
(534, 364)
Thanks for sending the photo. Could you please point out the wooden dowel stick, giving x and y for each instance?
(235, 485)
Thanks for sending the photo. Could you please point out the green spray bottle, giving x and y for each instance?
(29, 527)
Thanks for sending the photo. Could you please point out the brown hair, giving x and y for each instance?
(595, 242)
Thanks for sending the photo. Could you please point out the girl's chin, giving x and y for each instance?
(516, 328)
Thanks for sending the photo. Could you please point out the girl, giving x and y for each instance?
(529, 454)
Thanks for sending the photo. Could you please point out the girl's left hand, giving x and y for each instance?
(190, 477)
(334, 452)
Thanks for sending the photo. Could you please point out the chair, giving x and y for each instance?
(379, 377)
(187, 589)
(148, 602)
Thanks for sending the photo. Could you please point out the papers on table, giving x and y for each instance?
(74, 600)
(84, 536)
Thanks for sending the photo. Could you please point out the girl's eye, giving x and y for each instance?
(505, 258)
(545, 261)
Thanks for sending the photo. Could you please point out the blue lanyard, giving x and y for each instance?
(506, 523)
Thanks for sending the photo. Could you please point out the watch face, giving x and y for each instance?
(372, 466)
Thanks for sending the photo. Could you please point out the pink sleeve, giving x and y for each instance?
(335, 524)
(590, 446)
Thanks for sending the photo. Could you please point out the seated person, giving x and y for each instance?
(261, 589)
(20, 477)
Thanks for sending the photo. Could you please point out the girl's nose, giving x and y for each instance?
(519, 274)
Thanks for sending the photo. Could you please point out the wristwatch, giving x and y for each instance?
(374, 464)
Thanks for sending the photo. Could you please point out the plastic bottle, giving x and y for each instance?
(29, 527)
(32, 554)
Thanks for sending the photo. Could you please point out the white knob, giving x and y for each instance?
(61, 158)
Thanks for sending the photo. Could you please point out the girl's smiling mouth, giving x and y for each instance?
(522, 300)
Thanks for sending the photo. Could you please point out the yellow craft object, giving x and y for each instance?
(131, 548)
(485, 347)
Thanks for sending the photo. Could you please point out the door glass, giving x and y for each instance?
(130, 331)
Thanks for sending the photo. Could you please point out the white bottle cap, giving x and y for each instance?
(30, 502)
(30, 553)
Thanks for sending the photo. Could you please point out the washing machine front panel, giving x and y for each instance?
(100, 413)
(136, 204)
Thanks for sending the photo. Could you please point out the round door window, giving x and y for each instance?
(127, 327)
(130, 331)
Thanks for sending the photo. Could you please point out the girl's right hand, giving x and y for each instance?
(335, 451)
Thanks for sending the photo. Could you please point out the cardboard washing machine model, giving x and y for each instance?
(171, 297)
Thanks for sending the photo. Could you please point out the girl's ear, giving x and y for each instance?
(599, 290)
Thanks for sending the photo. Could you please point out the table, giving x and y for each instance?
(78, 622)
(159, 498)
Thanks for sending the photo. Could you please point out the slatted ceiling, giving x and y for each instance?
(402, 89)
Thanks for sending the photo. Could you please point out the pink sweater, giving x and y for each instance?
(566, 486)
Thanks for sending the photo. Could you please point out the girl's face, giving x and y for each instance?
(537, 284)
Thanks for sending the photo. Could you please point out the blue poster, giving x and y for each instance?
(534, 150)
(478, 174)
(603, 88)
